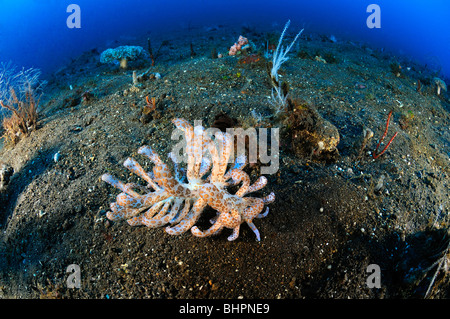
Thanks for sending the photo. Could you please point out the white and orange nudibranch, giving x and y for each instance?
(179, 201)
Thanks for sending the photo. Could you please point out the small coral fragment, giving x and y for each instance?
(242, 42)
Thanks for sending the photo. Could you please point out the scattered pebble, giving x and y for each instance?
(56, 157)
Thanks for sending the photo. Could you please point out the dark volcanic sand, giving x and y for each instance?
(329, 220)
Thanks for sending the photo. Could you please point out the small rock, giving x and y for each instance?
(5, 175)
(56, 157)
(66, 225)
(78, 209)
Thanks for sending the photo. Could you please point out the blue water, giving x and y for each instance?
(34, 33)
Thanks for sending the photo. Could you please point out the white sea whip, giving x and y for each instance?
(279, 56)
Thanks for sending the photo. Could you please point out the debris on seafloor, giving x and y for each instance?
(251, 59)
(380, 184)
(360, 86)
(396, 69)
(147, 75)
(366, 137)
(56, 157)
(406, 119)
(137, 81)
(87, 97)
(318, 58)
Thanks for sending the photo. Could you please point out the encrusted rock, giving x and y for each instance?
(310, 133)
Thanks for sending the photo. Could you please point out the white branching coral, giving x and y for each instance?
(279, 96)
(280, 54)
(179, 201)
